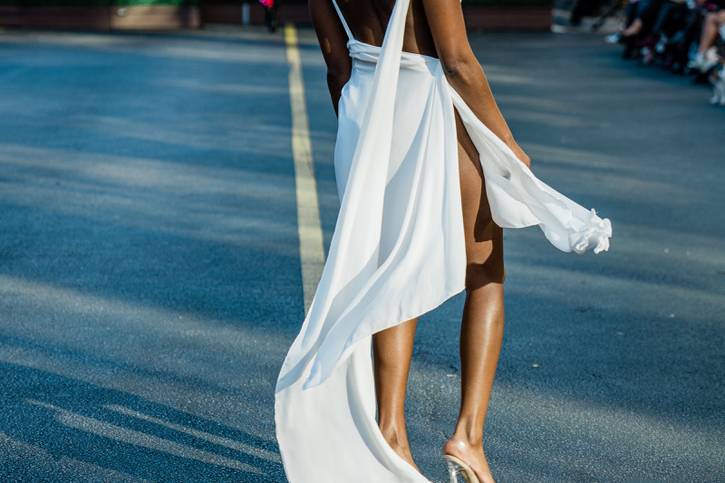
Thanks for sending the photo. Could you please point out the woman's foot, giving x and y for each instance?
(471, 454)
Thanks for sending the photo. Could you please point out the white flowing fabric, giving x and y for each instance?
(397, 252)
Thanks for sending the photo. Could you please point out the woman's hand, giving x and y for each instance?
(523, 157)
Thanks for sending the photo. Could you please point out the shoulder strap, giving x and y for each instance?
(350, 36)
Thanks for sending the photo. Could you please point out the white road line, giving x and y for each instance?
(312, 255)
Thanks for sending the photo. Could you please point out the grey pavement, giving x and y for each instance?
(150, 276)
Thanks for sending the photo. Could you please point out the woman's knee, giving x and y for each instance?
(480, 274)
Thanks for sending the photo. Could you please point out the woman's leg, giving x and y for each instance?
(708, 37)
(710, 31)
(392, 351)
(483, 313)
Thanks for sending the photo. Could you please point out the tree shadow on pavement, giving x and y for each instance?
(65, 425)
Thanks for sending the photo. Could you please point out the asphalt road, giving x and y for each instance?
(150, 274)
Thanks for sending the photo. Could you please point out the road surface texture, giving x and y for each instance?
(150, 278)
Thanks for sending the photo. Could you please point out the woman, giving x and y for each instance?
(428, 173)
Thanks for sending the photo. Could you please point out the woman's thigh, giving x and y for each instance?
(484, 238)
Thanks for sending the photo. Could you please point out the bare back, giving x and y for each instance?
(368, 21)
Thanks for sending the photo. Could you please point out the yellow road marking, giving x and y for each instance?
(312, 255)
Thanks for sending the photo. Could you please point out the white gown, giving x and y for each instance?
(397, 252)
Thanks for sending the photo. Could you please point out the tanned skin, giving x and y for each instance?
(436, 28)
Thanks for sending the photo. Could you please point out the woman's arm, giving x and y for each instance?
(333, 42)
(464, 73)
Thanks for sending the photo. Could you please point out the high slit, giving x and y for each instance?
(398, 250)
(483, 263)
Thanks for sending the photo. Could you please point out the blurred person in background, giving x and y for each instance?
(680, 35)
(707, 56)
(668, 34)
(270, 14)
(640, 16)
(584, 8)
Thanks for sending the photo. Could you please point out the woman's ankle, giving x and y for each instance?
(397, 439)
(395, 435)
(461, 445)
(468, 432)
